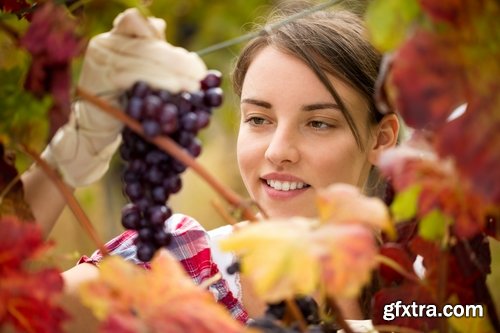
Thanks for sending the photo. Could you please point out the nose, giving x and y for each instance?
(282, 148)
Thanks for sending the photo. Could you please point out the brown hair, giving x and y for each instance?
(328, 42)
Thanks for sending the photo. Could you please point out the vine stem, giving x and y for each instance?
(398, 268)
(339, 315)
(70, 199)
(296, 314)
(172, 148)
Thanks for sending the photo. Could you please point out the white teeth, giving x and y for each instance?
(285, 186)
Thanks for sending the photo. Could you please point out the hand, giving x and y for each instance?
(135, 49)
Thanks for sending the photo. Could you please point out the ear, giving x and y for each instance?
(386, 136)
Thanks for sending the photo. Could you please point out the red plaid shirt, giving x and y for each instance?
(190, 245)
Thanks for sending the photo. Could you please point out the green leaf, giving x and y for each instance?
(405, 204)
(25, 116)
(433, 225)
(389, 21)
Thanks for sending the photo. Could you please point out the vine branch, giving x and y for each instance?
(172, 148)
(69, 197)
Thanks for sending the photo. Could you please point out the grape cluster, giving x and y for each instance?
(273, 321)
(151, 175)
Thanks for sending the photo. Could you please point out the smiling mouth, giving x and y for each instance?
(279, 185)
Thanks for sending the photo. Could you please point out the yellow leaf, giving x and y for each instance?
(347, 254)
(345, 204)
(276, 255)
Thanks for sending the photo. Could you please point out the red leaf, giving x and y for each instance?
(28, 299)
(397, 253)
(19, 242)
(474, 141)
(428, 80)
(52, 41)
(443, 10)
(442, 187)
(17, 7)
(406, 294)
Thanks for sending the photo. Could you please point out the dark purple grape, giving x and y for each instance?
(194, 148)
(145, 251)
(184, 138)
(172, 184)
(131, 216)
(159, 194)
(197, 99)
(234, 268)
(162, 238)
(134, 108)
(167, 113)
(168, 118)
(130, 176)
(137, 166)
(134, 191)
(189, 122)
(213, 97)
(128, 136)
(164, 95)
(125, 152)
(155, 175)
(151, 106)
(156, 156)
(212, 79)
(159, 214)
(203, 119)
(140, 89)
(140, 146)
(183, 103)
(177, 166)
(151, 128)
(146, 234)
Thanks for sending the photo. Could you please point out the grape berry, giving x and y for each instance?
(151, 175)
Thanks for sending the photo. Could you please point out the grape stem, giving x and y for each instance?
(69, 197)
(296, 314)
(172, 148)
(338, 315)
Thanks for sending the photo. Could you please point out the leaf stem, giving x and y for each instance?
(296, 314)
(9, 187)
(339, 316)
(172, 148)
(69, 197)
(398, 268)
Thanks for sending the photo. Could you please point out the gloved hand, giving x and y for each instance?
(135, 49)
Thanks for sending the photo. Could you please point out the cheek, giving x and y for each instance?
(340, 162)
(247, 155)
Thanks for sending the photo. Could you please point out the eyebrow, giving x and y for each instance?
(309, 107)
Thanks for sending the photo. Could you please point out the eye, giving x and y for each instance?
(318, 124)
(256, 121)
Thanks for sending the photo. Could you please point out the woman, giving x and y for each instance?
(308, 120)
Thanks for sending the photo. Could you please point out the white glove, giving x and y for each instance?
(135, 49)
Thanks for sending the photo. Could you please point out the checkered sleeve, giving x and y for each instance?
(191, 246)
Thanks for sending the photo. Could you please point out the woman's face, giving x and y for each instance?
(293, 138)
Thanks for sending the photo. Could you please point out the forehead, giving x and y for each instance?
(277, 76)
